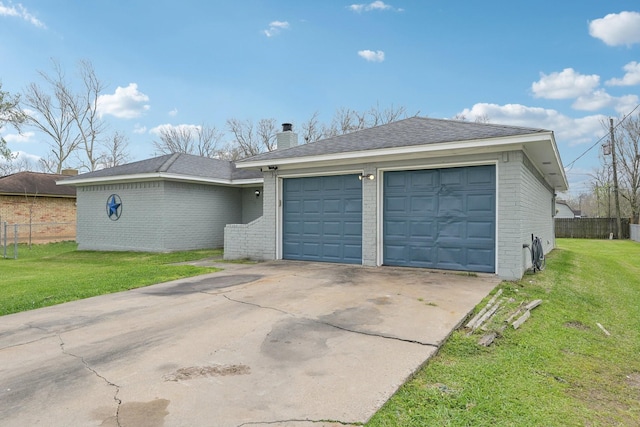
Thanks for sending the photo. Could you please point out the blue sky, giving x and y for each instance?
(558, 65)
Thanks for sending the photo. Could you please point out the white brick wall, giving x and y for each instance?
(524, 207)
(157, 216)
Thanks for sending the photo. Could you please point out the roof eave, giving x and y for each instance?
(157, 176)
(408, 150)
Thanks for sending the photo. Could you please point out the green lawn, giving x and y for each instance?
(55, 273)
(559, 368)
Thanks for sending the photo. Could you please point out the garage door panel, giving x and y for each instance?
(395, 229)
(480, 177)
(426, 203)
(311, 228)
(422, 180)
(329, 225)
(421, 229)
(482, 230)
(451, 205)
(352, 229)
(396, 203)
(479, 204)
(448, 223)
(293, 206)
(353, 206)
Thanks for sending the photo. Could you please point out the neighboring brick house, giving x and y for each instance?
(43, 211)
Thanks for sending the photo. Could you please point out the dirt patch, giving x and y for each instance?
(194, 372)
(576, 324)
(141, 414)
(633, 380)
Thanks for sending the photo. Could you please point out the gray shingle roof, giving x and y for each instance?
(403, 133)
(35, 183)
(177, 163)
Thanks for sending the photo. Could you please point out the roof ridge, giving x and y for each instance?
(166, 165)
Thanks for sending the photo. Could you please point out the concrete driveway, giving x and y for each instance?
(277, 343)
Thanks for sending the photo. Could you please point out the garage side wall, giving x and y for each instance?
(140, 224)
(537, 209)
(194, 215)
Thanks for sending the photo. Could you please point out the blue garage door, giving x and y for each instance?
(322, 219)
(441, 218)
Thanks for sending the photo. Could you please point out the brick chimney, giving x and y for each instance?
(69, 172)
(287, 138)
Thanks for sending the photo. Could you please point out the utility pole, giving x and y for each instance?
(615, 178)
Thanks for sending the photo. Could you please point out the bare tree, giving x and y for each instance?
(84, 109)
(53, 115)
(200, 140)
(312, 130)
(379, 116)
(115, 151)
(250, 139)
(70, 118)
(10, 114)
(627, 142)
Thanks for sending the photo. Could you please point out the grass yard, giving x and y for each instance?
(559, 368)
(55, 273)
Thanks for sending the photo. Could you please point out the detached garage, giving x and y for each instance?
(419, 192)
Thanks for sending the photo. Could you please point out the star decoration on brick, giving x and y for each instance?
(114, 207)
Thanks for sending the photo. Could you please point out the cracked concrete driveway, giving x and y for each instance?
(277, 343)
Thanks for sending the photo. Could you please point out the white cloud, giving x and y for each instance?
(630, 78)
(139, 129)
(617, 29)
(183, 127)
(275, 27)
(625, 104)
(600, 99)
(565, 84)
(19, 137)
(376, 5)
(20, 11)
(173, 112)
(371, 56)
(126, 103)
(567, 129)
(593, 101)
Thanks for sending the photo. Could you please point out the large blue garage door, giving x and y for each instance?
(441, 218)
(322, 219)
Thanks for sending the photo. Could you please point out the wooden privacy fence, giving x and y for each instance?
(590, 228)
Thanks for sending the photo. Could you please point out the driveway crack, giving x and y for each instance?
(89, 368)
(342, 328)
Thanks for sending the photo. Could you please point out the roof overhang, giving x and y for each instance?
(159, 176)
(540, 147)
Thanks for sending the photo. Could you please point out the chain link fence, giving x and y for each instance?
(12, 235)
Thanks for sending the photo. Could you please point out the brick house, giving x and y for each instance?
(418, 192)
(42, 210)
(167, 203)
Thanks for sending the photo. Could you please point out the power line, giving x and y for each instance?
(570, 165)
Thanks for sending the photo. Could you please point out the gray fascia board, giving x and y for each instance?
(367, 155)
(157, 176)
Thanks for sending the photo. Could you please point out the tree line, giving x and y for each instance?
(66, 112)
(598, 200)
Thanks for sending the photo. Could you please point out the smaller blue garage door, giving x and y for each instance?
(322, 219)
(441, 218)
